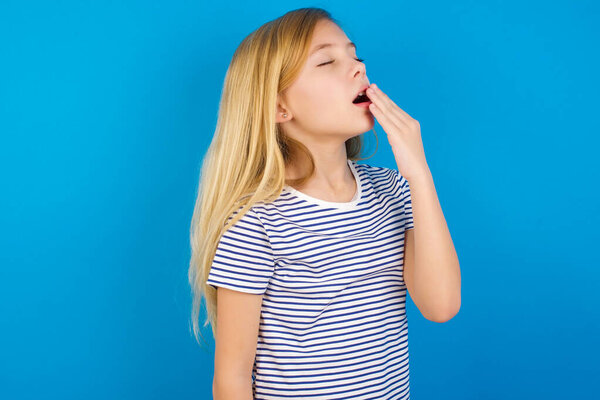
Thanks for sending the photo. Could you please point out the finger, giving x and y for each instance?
(387, 124)
(388, 110)
(389, 102)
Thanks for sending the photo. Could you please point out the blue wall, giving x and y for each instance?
(107, 108)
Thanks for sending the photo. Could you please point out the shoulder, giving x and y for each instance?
(249, 216)
(249, 226)
(374, 169)
(383, 177)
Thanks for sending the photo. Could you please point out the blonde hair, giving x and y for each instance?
(245, 162)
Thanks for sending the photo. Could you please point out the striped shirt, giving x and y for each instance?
(333, 319)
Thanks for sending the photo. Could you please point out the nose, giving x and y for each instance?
(359, 69)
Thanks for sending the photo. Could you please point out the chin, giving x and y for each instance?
(368, 125)
(365, 129)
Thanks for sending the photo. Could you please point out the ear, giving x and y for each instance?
(281, 110)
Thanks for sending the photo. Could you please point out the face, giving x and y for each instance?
(319, 103)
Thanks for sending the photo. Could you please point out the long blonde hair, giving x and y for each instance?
(245, 162)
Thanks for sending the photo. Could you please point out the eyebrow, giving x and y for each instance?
(324, 45)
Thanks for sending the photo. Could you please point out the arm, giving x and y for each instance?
(431, 267)
(238, 316)
(432, 272)
(232, 389)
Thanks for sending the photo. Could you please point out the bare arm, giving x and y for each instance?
(431, 266)
(238, 316)
(233, 390)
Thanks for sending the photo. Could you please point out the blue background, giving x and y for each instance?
(107, 108)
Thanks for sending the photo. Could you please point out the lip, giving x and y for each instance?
(363, 105)
(364, 89)
(366, 103)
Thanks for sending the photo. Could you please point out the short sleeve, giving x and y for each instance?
(244, 257)
(405, 199)
(408, 214)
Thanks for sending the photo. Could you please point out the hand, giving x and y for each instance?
(403, 132)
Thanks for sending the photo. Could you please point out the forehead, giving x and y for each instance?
(327, 32)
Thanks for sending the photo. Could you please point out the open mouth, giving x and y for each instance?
(361, 98)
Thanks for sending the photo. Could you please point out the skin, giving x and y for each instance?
(321, 115)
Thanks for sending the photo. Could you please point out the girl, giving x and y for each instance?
(303, 255)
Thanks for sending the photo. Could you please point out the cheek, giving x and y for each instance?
(321, 97)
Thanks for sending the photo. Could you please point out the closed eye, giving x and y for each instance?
(329, 62)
